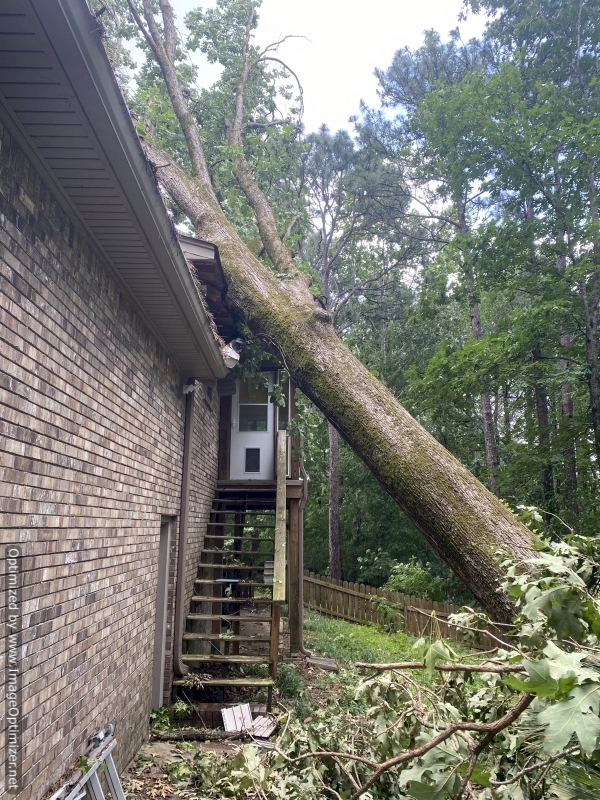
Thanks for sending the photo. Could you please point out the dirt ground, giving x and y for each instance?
(146, 778)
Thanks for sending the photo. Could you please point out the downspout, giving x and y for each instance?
(184, 515)
(301, 647)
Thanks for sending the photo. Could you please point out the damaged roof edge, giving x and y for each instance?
(74, 38)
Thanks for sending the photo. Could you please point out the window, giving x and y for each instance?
(252, 459)
(253, 408)
(253, 418)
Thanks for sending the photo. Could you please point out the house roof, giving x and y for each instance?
(207, 271)
(58, 87)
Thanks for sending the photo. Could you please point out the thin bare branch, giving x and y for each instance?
(143, 29)
(537, 765)
(276, 45)
(271, 124)
(292, 73)
(457, 667)
(170, 32)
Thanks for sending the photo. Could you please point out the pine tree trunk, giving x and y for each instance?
(489, 440)
(492, 460)
(335, 551)
(591, 351)
(462, 521)
(507, 425)
(569, 491)
(567, 411)
(543, 437)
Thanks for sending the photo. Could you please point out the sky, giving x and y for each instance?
(345, 41)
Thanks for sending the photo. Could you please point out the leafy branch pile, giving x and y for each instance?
(512, 725)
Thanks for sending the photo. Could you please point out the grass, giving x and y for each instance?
(348, 642)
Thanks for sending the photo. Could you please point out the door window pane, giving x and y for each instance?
(252, 459)
(253, 418)
(250, 394)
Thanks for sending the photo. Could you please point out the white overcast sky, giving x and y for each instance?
(347, 40)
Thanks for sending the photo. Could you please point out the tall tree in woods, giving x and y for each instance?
(518, 114)
(461, 520)
(444, 168)
(349, 247)
(532, 117)
(545, 87)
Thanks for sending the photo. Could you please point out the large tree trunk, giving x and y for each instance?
(462, 521)
(335, 550)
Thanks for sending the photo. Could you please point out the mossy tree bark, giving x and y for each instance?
(462, 521)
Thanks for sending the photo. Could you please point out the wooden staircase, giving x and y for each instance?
(232, 629)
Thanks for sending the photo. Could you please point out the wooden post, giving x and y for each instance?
(280, 513)
(274, 644)
(294, 577)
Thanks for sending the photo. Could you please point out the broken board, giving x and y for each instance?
(239, 718)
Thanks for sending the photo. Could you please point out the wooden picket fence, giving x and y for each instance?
(358, 602)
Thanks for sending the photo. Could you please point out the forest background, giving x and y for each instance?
(453, 233)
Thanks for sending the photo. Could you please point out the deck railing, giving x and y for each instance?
(358, 602)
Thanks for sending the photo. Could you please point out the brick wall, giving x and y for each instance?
(91, 454)
(202, 485)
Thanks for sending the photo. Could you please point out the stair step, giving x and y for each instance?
(214, 637)
(221, 490)
(230, 617)
(229, 551)
(230, 567)
(265, 522)
(202, 598)
(239, 525)
(242, 538)
(230, 682)
(241, 505)
(211, 582)
(206, 659)
(266, 512)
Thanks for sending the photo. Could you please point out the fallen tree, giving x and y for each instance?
(461, 520)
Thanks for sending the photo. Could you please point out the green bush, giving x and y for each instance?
(422, 579)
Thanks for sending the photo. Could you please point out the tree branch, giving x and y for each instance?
(167, 66)
(538, 765)
(489, 729)
(458, 667)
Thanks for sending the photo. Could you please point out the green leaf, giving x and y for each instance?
(440, 790)
(481, 776)
(563, 664)
(437, 652)
(576, 716)
(541, 682)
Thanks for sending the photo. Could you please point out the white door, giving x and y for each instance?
(252, 434)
